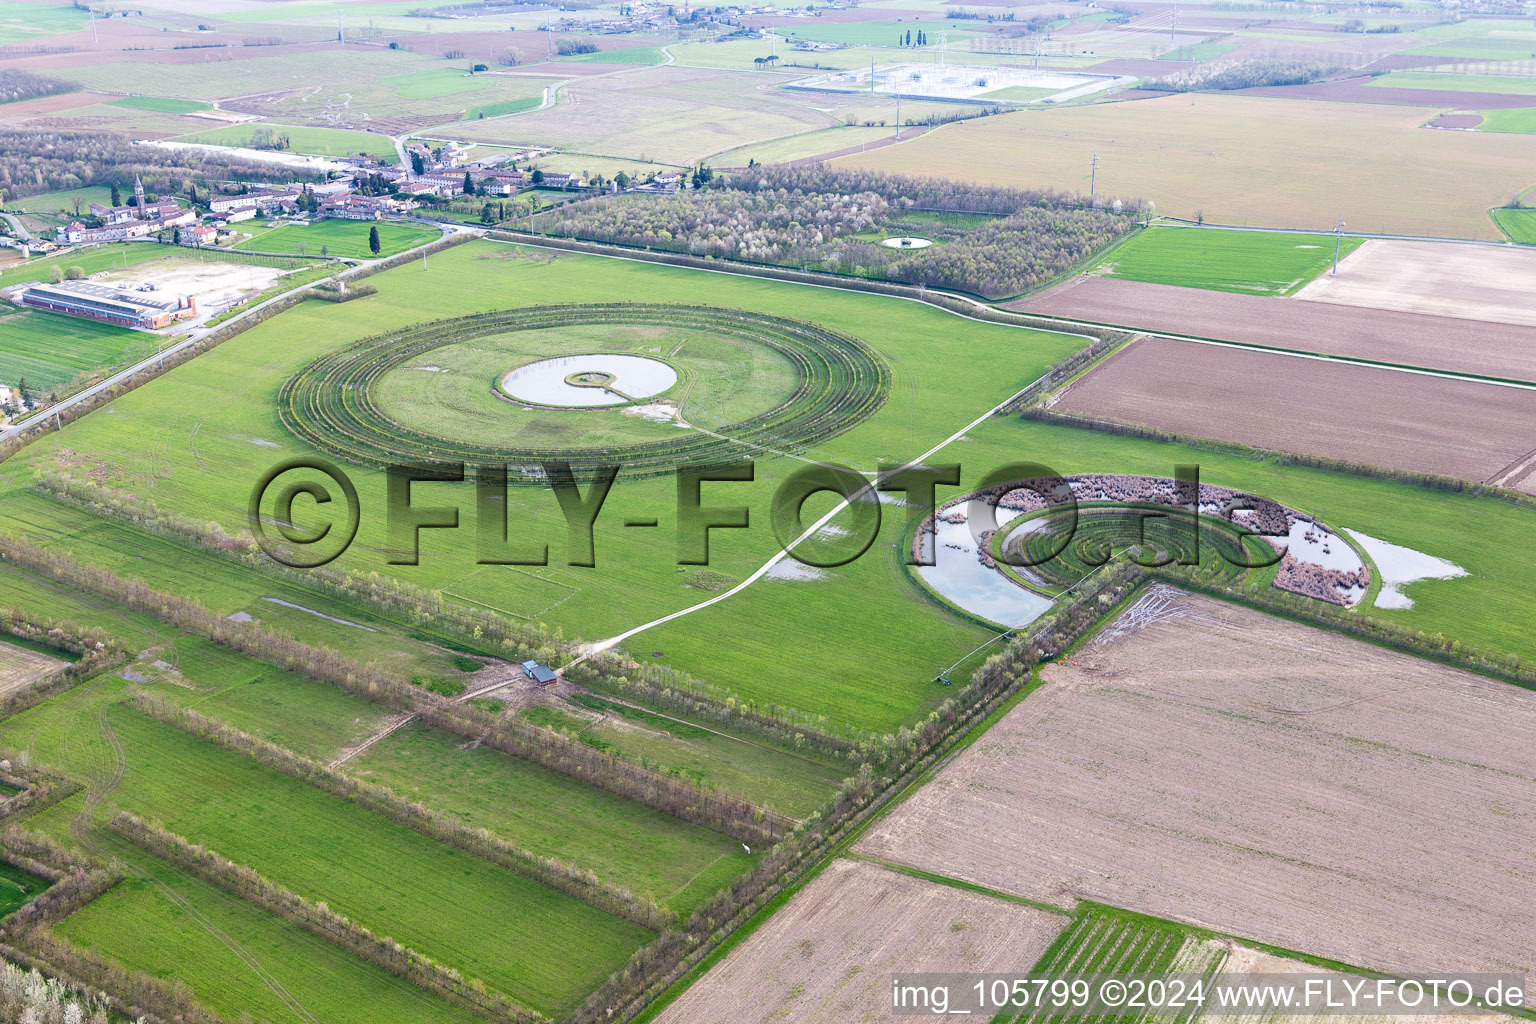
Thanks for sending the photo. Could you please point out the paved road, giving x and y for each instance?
(16, 226)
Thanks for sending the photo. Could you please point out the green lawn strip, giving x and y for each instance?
(539, 946)
(790, 783)
(1250, 262)
(1517, 225)
(673, 862)
(93, 259)
(340, 238)
(957, 883)
(327, 142)
(160, 103)
(139, 927)
(50, 350)
(18, 887)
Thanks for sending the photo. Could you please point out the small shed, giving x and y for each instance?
(541, 674)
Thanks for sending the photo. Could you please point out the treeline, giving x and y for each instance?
(39, 789)
(321, 921)
(18, 85)
(1242, 74)
(27, 937)
(96, 652)
(381, 800)
(814, 216)
(28, 996)
(33, 162)
(558, 752)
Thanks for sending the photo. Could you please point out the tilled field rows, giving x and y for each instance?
(1262, 778)
(1420, 424)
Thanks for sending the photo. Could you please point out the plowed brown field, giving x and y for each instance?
(1274, 781)
(1405, 421)
(828, 956)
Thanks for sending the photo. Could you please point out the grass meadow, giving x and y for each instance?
(339, 238)
(330, 142)
(1516, 119)
(139, 926)
(213, 429)
(50, 350)
(1518, 225)
(1252, 262)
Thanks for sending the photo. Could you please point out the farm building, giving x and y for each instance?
(541, 674)
(109, 305)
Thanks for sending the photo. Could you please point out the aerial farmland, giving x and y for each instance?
(612, 512)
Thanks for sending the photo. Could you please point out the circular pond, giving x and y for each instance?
(907, 242)
(584, 381)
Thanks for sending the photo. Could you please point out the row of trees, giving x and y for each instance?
(568, 878)
(321, 921)
(16, 85)
(27, 938)
(1242, 74)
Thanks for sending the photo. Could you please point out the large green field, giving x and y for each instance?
(339, 238)
(331, 142)
(1255, 262)
(1514, 84)
(1516, 119)
(49, 350)
(637, 576)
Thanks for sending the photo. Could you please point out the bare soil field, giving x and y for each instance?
(1465, 429)
(1474, 282)
(212, 284)
(1260, 777)
(1388, 336)
(19, 666)
(668, 114)
(1243, 160)
(827, 956)
(1460, 122)
(1242, 960)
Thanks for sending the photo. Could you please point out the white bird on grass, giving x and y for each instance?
(744, 846)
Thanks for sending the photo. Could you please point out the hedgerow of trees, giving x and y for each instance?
(24, 85)
(1242, 74)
